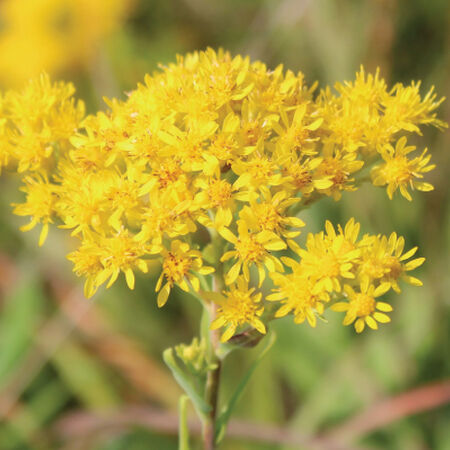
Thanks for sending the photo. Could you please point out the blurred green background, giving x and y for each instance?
(78, 374)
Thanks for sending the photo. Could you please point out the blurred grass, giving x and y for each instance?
(60, 354)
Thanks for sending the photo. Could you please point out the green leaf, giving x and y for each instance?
(85, 376)
(19, 320)
(225, 415)
(183, 429)
(186, 383)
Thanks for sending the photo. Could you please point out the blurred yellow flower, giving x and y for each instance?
(40, 204)
(53, 35)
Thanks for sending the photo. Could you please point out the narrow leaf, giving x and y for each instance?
(225, 415)
(183, 380)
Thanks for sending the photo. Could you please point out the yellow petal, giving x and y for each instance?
(382, 306)
(258, 325)
(340, 306)
(228, 333)
(233, 273)
(163, 295)
(129, 276)
(381, 317)
(359, 325)
(43, 235)
(371, 322)
(227, 235)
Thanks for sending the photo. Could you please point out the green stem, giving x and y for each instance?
(213, 376)
(211, 397)
(183, 438)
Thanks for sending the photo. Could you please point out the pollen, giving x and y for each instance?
(249, 249)
(363, 305)
(219, 193)
(397, 170)
(175, 267)
(394, 267)
(329, 266)
(268, 217)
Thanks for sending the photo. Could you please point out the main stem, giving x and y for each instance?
(212, 378)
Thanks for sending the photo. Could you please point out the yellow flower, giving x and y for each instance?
(257, 171)
(330, 258)
(405, 110)
(224, 145)
(362, 308)
(337, 168)
(42, 117)
(167, 214)
(237, 307)
(367, 89)
(301, 175)
(84, 203)
(251, 249)
(100, 258)
(256, 124)
(41, 198)
(399, 172)
(367, 116)
(298, 294)
(217, 196)
(65, 32)
(382, 259)
(295, 135)
(180, 264)
(269, 214)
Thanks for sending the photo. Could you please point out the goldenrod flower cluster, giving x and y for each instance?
(205, 167)
(348, 273)
(53, 35)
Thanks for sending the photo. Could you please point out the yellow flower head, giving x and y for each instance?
(298, 294)
(251, 248)
(180, 266)
(406, 110)
(270, 214)
(67, 34)
(336, 168)
(40, 204)
(302, 176)
(399, 172)
(362, 308)
(330, 258)
(100, 258)
(382, 260)
(237, 307)
(41, 119)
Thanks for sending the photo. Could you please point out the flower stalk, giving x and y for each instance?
(213, 374)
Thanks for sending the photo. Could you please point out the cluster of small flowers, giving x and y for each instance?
(338, 266)
(223, 145)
